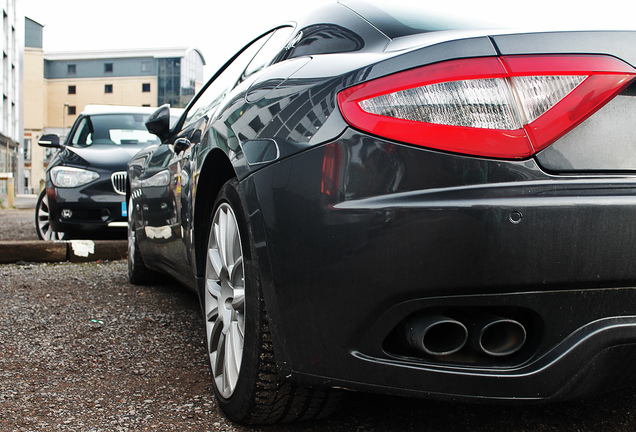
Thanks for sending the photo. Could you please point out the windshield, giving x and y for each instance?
(113, 129)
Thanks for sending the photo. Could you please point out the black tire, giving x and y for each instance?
(42, 220)
(259, 394)
(138, 273)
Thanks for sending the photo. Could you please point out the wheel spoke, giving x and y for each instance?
(211, 302)
(232, 363)
(220, 356)
(215, 260)
(227, 377)
(233, 250)
(238, 300)
(221, 239)
(236, 342)
(213, 288)
(44, 205)
(236, 273)
(238, 285)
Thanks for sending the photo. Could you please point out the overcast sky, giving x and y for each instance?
(219, 27)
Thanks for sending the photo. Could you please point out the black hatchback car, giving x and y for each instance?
(372, 199)
(86, 180)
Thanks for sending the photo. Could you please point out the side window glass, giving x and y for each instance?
(216, 91)
(81, 137)
(324, 39)
(269, 51)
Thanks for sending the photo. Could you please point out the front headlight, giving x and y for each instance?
(162, 178)
(67, 177)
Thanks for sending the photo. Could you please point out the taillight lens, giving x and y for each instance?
(504, 107)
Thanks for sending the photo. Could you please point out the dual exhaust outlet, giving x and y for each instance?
(439, 335)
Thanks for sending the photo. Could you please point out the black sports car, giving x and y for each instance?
(376, 200)
(86, 180)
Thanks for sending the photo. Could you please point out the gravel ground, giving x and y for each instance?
(81, 349)
(17, 224)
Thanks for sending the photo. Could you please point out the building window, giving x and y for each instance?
(72, 89)
(71, 110)
(108, 88)
(145, 87)
(71, 69)
(146, 67)
(27, 149)
(108, 67)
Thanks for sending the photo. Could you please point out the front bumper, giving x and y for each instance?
(92, 209)
(348, 254)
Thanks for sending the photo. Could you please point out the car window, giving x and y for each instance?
(113, 129)
(323, 39)
(80, 137)
(222, 84)
(272, 47)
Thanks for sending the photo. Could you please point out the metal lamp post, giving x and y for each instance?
(64, 121)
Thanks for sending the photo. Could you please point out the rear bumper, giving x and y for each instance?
(349, 254)
(569, 353)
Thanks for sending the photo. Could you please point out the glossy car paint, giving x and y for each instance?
(354, 234)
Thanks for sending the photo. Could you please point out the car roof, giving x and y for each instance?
(399, 18)
(114, 109)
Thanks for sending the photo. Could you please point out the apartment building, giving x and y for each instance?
(10, 84)
(58, 85)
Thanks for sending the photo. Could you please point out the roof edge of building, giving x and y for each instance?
(118, 53)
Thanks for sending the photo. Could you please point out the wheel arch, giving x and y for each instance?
(216, 170)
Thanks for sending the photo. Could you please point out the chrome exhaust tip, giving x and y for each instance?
(497, 336)
(436, 335)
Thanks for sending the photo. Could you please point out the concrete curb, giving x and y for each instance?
(63, 250)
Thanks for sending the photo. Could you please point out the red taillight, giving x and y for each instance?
(504, 107)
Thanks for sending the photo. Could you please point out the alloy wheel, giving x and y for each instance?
(225, 300)
(45, 232)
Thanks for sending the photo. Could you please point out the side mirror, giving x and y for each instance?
(50, 140)
(158, 122)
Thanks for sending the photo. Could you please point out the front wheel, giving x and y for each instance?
(42, 220)
(246, 381)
